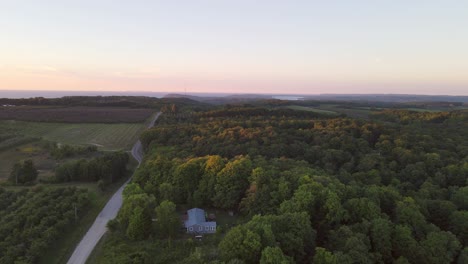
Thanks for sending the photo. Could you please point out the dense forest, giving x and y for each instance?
(307, 188)
(105, 169)
(31, 220)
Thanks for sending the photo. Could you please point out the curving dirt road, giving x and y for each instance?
(99, 227)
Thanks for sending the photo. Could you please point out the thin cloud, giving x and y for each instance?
(151, 72)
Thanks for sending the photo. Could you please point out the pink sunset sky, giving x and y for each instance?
(304, 47)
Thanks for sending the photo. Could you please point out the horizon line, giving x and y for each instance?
(234, 93)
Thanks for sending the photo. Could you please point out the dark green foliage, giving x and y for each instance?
(463, 257)
(241, 243)
(292, 232)
(460, 198)
(274, 255)
(459, 225)
(322, 256)
(117, 250)
(132, 201)
(23, 172)
(138, 224)
(404, 244)
(362, 208)
(66, 151)
(440, 247)
(35, 218)
(107, 168)
(232, 181)
(310, 188)
(167, 220)
(381, 238)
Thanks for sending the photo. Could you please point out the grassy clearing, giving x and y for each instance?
(311, 109)
(105, 136)
(355, 112)
(43, 162)
(335, 110)
(422, 110)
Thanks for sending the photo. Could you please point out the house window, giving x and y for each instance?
(190, 228)
(207, 228)
(200, 228)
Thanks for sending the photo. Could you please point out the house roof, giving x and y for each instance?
(196, 216)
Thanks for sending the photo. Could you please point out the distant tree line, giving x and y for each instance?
(407, 117)
(108, 169)
(106, 101)
(63, 151)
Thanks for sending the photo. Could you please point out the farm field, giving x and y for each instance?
(75, 114)
(311, 109)
(336, 110)
(104, 136)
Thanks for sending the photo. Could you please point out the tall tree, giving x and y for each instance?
(274, 255)
(232, 181)
(23, 172)
(139, 226)
(381, 238)
(241, 243)
(440, 247)
(322, 256)
(168, 222)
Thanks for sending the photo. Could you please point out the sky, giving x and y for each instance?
(236, 46)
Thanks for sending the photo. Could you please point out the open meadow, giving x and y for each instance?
(108, 128)
(104, 136)
(334, 110)
(313, 109)
(34, 151)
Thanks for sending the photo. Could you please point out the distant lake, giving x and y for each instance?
(288, 97)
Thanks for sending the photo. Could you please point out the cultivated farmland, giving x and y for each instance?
(75, 114)
(105, 136)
